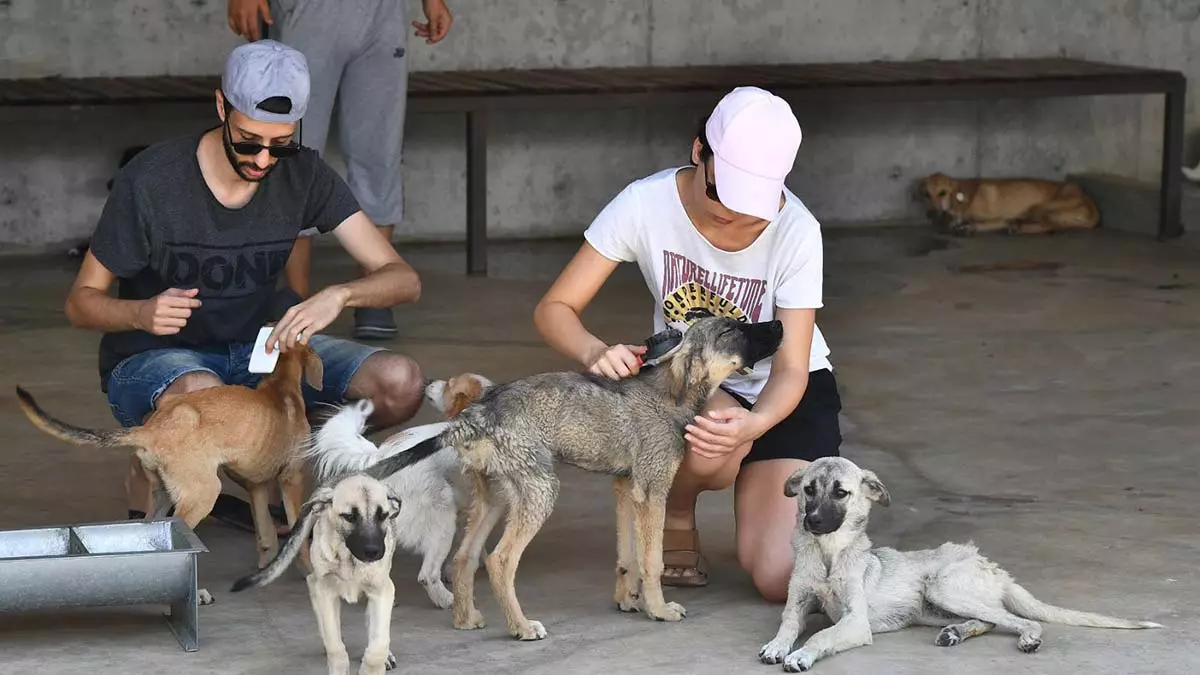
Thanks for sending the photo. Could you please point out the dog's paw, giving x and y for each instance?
(390, 662)
(630, 604)
(627, 600)
(1029, 643)
(774, 652)
(533, 630)
(798, 661)
(439, 595)
(948, 637)
(474, 621)
(204, 597)
(372, 669)
(338, 664)
(672, 611)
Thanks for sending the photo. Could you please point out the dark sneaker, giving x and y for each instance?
(373, 323)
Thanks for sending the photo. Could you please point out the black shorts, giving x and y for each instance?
(812, 430)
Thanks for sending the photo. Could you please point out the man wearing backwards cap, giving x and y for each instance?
(357, 52)
(196, 233)
(722, 236)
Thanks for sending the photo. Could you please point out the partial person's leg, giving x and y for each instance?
(682, 563)
(765, 521)
(371, 104)
(766, 517)
(313, 28)
(353, 371)
(139, 384)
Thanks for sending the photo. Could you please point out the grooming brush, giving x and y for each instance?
(659, 346)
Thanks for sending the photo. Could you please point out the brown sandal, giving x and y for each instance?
(681, 555)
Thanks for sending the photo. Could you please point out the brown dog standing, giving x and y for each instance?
(255, 435)
(1015, 205)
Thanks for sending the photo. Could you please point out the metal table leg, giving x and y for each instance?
(1170, 224)
(477, 192)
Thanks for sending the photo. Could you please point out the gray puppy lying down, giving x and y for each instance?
(866, 590)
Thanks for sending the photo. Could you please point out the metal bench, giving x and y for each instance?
(479, 93)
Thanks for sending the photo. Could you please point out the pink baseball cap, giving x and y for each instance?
(754, 137)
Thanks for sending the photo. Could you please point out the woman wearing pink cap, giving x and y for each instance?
(722, 236)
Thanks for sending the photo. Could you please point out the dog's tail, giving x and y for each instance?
(69, 432)
(1021, 602)
(287, 553)
(338, 448)
(419, 452)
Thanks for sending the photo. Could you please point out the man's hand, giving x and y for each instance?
(618, 361)
(308, 318)
(439, 21)
(168, 312)
(723, 431)
(243, 17)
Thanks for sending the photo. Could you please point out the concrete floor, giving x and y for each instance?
(1048, 415)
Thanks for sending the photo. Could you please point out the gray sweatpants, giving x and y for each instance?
(356, 56)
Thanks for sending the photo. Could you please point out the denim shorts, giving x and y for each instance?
(136, 383)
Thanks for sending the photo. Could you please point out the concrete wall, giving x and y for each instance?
(551, 172)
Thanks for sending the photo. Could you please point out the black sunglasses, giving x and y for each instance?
(248, 148)
(252, 148)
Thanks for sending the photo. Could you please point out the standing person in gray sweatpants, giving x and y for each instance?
(356, 53)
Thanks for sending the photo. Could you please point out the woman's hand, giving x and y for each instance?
(723, 431)
(617, 362)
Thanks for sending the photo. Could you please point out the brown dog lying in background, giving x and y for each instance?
(1015, 205)
(256, 435)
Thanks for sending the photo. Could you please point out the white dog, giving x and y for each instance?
(429, 497)
(353, 528)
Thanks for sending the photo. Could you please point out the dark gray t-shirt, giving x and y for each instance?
(163, 228)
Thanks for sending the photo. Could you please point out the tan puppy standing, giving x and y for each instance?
(255, 435)
(353, 525)
(1014, 205)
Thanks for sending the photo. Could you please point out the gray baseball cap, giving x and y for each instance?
(260, 70)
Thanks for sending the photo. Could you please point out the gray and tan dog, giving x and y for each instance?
(632, 429)
(866, 590)
(353, 538)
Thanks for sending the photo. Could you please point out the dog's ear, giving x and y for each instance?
(457, 404)
(791, 487)
(876, 490)
(365, 406)
(684, 367)
(314, 370)
(463, 390)
(320, 500)
(394, 501)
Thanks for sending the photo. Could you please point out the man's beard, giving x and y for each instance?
(240, 167)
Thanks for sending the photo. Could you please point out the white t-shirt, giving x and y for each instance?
(647, 224)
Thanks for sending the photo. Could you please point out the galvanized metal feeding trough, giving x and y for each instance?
(132, 562)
